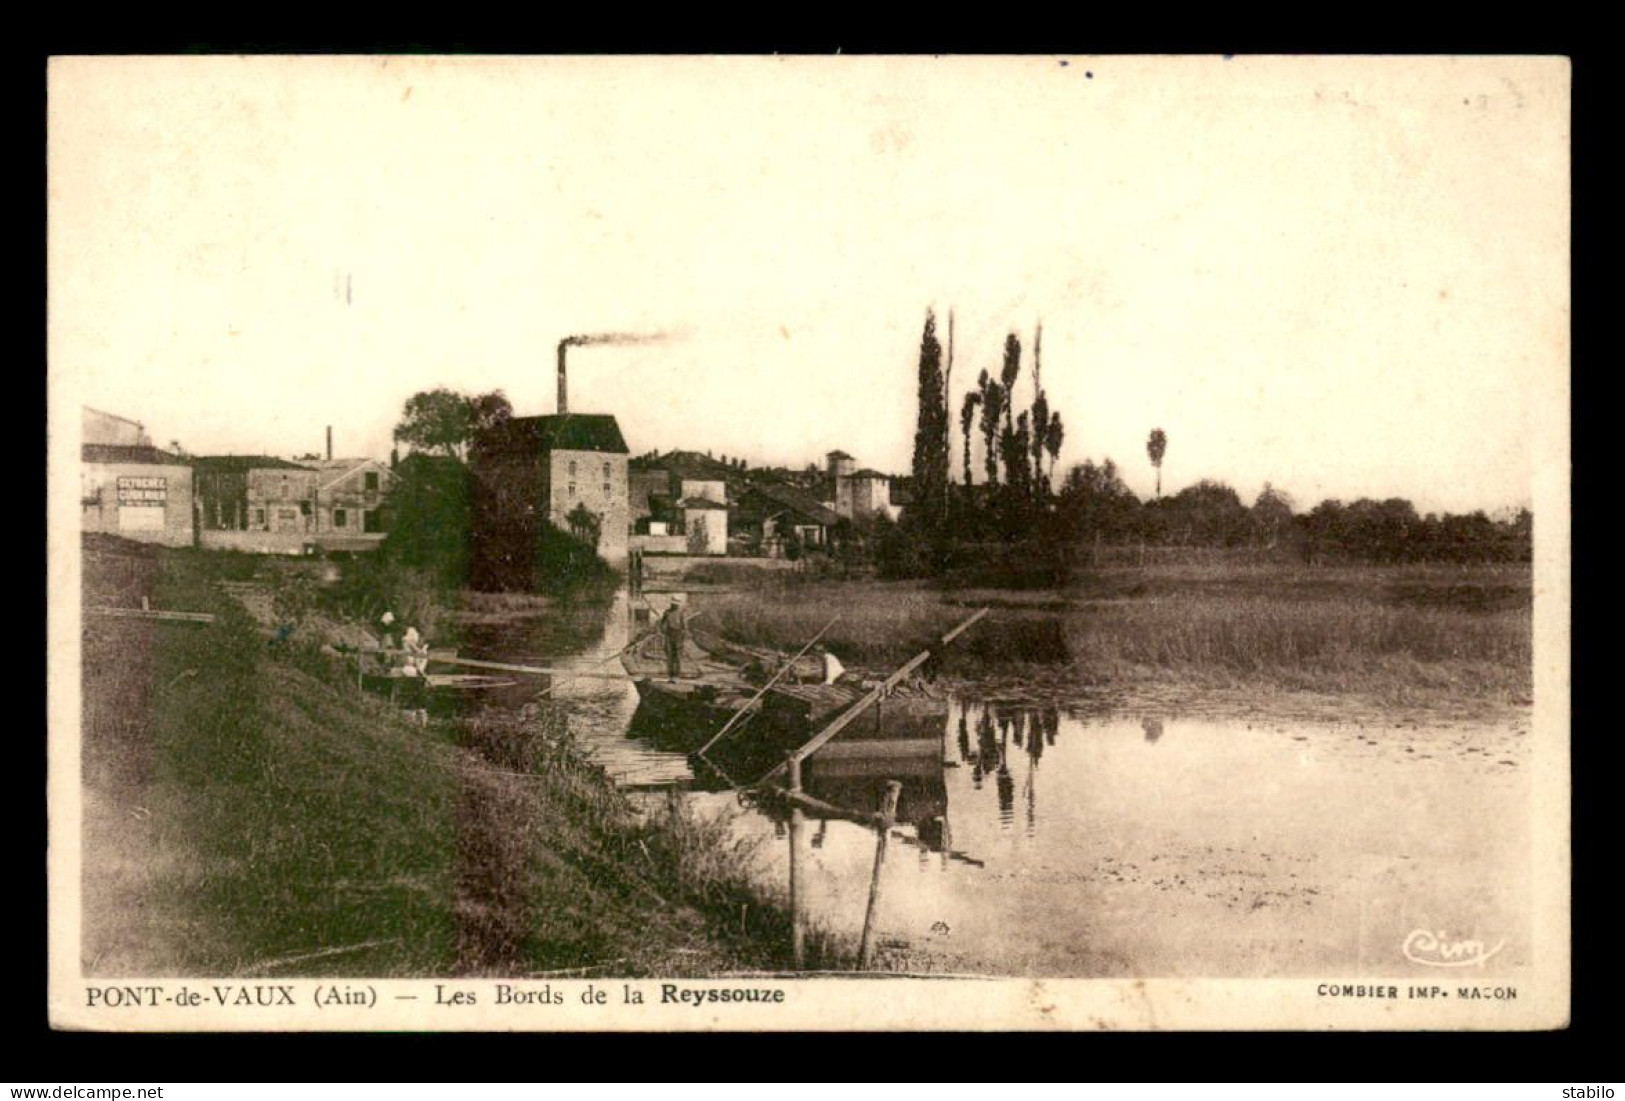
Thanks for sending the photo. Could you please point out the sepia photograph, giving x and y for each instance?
(814, 543)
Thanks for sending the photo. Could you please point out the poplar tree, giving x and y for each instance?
(931, 432)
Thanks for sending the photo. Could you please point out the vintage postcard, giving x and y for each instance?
(903, 543)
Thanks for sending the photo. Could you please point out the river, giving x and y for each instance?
(1079, 843)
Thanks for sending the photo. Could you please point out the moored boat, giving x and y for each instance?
(719, 680)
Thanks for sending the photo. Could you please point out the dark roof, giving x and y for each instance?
(130, 453)
(796, 500)
(869, 472)
(236, 463)
(692, 464)
(558, 432)
(701, 502)
(837, 455)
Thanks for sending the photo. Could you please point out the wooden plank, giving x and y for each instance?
(507, 667)
(138, 613)
(878, 749)
(879, 691)
(867, 768)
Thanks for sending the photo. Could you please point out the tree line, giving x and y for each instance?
(1020, 448)
(1094, 506)
(1016, 512)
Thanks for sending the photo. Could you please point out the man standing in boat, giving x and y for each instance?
(673, 627)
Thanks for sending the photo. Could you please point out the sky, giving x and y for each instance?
(1348, 278)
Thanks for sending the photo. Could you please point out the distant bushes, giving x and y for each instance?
(543, 560)
(433, 533)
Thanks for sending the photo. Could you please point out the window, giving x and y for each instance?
(259, 517)
(572, 468)
(572, 486)
(372, 481)
(284, 487)
(606, 489)
(606, 471)
(338, 518)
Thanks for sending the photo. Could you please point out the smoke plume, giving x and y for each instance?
(584, 339)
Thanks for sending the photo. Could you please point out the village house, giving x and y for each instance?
(266, 505)
(556, 469)
(241, 493)
(129, 488)
(705, 525)
(348, 508)
(774, 510)
(680, 503)
(861, 494)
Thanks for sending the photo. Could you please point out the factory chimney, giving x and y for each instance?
(564, 398)
(330, 443)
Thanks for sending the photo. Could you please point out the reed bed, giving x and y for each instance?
(1397, 632)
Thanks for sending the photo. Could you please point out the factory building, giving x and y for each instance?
(569, 470)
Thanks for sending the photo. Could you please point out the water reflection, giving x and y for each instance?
(1220, 848)
(1115, 844)
(580, 640)
(1001, 728)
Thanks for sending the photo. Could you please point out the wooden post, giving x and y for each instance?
(798, 932)
(888, 812)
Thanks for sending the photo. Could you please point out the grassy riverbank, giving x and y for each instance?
(1406, 636)
(253, 812)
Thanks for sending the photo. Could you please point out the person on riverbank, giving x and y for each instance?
(417, 650)
(830, 665)
(673, 629)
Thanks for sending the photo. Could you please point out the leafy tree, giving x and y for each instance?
(1008, 373)
(585, 524)
(1021, 478)
(1041, 417)
(486, 411)
(443, 421)
(431, 502)
(1095, 502)
(967, 417)
(1157, 447)
(1271, 515)
(992, 417)
(1054, 436)
(698, 531)
(1209, 514)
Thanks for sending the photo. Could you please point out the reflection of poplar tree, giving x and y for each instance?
(1007, 794)
(987, 744)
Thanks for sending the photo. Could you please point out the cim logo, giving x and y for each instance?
(1437, 950)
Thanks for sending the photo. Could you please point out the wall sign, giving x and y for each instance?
(143, 492)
